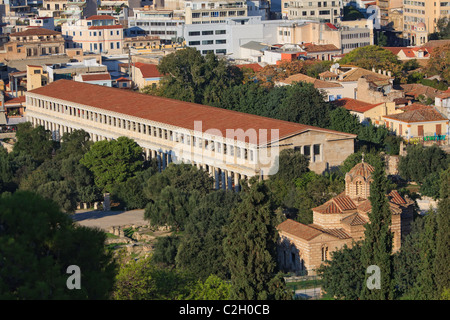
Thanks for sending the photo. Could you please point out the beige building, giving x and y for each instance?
(230, 145)
(326, 11)
(366, 111)
(338, 222)
(346, 37)
(36, 77)
(419, 124)
(145, 74)
(420, 18)
(98, 34)
(32, 43)
(331, 90)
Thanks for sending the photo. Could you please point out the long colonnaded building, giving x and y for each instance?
(229, 145)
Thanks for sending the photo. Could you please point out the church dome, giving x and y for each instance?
(362, 169)
(421, 26)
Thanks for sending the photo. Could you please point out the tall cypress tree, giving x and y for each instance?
(250, 247)
(442, 264)
(377, 245)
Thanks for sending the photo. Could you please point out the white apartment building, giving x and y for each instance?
(166, 24)
(228, 37)
(345, 37)
(99, 34)
(325, 11)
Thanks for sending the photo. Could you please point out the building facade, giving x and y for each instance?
(231, 146)
(98, 34)
(325, 11)
(338, 222)
(420, 18)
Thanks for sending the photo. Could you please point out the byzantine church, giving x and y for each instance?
(340, 221)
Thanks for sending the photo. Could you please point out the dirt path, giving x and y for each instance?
(107, 219)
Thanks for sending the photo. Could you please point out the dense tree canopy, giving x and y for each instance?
(113, 161)
(37, 244)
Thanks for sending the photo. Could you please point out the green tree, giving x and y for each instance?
(250, 246)
(191, 77)
(143, 280)
(166, 249)
(425, 285)
(201, 247)
(373, 56)
(37, 244)
(377, 244)
(213, 288)
(61, 192)
(439, 62)
(292, 164)
(421, 161)
(343, 275)
(113, 161)
(171, 208)
(342, 120)
(442, 264)
(33, 141)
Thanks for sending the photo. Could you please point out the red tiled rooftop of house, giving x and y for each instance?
(35, 32)
(96, 77)
(174, 112)
(148, 70)
(114, 26)
(253, 66)
(418, 115)
(101, 17)
(353, 104)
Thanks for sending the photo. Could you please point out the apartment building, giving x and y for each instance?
(205, 12)
(325, 11)
(67, 10)
(231, 146)
(31, 43)
(98, 34)
(230, 37)
(420, 18)
(166, 24)
(345, 37)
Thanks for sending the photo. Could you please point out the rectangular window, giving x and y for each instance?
(194, 43)
(207, 33)
(194, 33)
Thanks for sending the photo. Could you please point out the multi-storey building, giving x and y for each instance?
(99, 34)
(325, 11)
(166, 24)
(345, 37)
(205, 12)
(67, 10)
(230, 145)
(31, 43)
(420, 18)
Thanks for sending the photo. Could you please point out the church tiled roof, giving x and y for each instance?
(354, 220)
(298, 229)
(362, 169)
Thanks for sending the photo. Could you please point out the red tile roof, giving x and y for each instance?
(354, 105)
(148, 70)
(174, 112)
(253, 66)
(101, 17)
(418, 115)
(96, 77)
(298, 229)
(35, 32)
(115, 26)
(362, 169)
